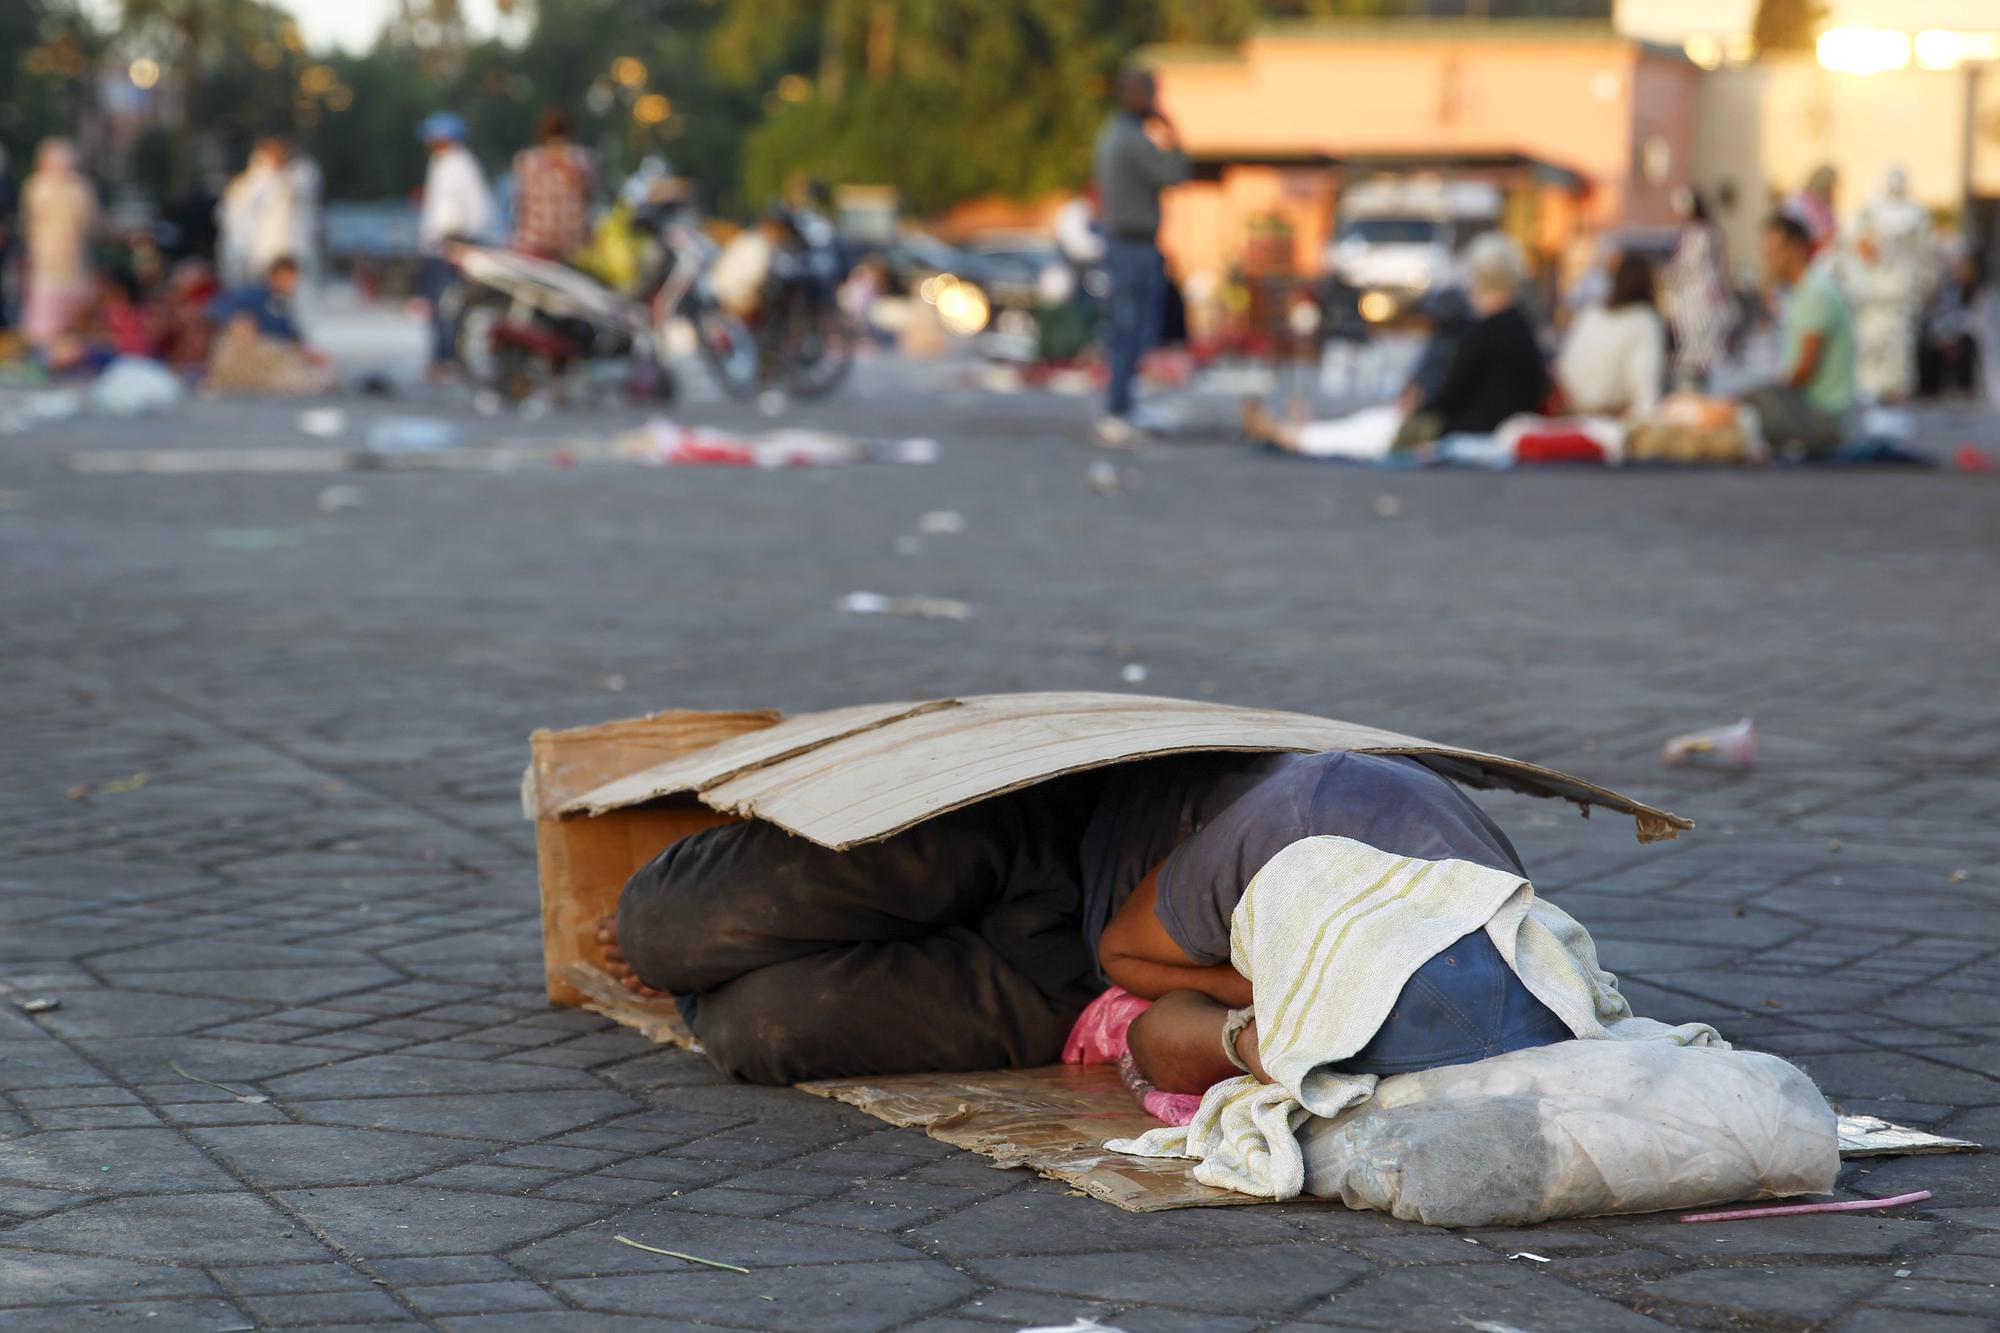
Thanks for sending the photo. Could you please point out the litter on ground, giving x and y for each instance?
(1733, 746)
(922, 608)
(676, 1254)
(1796, 1209)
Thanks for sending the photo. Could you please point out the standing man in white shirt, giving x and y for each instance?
(457, 207)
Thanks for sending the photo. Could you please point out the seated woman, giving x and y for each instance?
(1495, 369)
(973, 940)
(1614, 361)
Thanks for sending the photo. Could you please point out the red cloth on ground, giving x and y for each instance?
(1559, 445)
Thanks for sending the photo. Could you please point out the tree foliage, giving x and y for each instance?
(48, 49)
(944, 99)
(950, 99)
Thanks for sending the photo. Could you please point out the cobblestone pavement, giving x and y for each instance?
(322, 894)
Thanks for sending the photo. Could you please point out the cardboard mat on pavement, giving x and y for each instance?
(1056, 1119)
(606, 799)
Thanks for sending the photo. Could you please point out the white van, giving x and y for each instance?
(1396, 240)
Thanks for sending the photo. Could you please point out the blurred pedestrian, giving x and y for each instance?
(1485, 368)
(58, 210)
(552, 184)
(457, 207)
(1814, 208)
(1614, 361)
(1890, 277)
(195, 231)
(180, 316)
(10, 238)
(1697, 300)
(258, 348)
(109, 323)
(307, 185)
(1496, 371)
(266, 303)
(1138, 155)
(1948, 361)
(257, 220)
(1805, 414)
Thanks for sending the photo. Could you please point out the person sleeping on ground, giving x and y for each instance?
(973, 940)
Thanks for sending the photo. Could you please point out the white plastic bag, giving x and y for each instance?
(1577, 1129)
(132, 386)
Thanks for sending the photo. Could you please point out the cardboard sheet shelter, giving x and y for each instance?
(605, 799)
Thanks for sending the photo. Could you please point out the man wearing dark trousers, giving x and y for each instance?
(1138, 155)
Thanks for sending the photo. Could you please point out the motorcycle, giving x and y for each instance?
(524, 323)
(806, 340)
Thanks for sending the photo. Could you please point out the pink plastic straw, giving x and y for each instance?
(1850, 1206)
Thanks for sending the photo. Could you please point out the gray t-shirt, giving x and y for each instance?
(1214, 820)
(1131, 170)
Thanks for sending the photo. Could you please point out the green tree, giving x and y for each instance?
(48, 50)
(949, 99)
(227, 71)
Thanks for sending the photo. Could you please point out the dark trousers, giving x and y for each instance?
(438, 278)
(954, 946)
(1138, 295)
(1792, 426)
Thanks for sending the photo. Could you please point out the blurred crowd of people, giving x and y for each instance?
(212, 288)
(77, 292)
(1875, 314)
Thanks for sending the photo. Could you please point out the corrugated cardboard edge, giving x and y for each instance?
(708, 773)
(1053, 1121)
(658, 1020)
(718, 763)
(1872, 1136)
(547, 792)
(1652, 824)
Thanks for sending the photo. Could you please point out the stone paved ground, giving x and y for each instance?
(323, 893)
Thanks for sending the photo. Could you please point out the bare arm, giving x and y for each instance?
(1811, 348)
(1177, 1044)
(1137, 953)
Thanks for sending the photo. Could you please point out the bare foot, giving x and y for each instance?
(614, 960)
(1263, 428)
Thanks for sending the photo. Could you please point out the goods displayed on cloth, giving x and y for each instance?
(245, 361)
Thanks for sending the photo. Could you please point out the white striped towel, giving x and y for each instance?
(1328, 932)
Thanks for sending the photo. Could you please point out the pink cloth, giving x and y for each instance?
(1099, 1039)
(1099, 1035)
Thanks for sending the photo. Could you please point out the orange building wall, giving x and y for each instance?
(1582, 101)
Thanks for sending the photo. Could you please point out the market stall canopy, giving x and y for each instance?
(856, 775)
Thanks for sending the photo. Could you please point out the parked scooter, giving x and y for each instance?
(805, 340)
(523, 324)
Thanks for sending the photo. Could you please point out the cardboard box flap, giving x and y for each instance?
(567, 764)
(856, 775)
(704, 768)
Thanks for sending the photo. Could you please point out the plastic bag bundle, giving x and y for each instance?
(1577, 1129)
(1733, 746)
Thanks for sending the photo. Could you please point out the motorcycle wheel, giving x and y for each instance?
(728, 349)
(822, 352)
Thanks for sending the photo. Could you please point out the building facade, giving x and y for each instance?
(1584, 128)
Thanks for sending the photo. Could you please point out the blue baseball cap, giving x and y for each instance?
(1465, 1004)
(442, 125)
